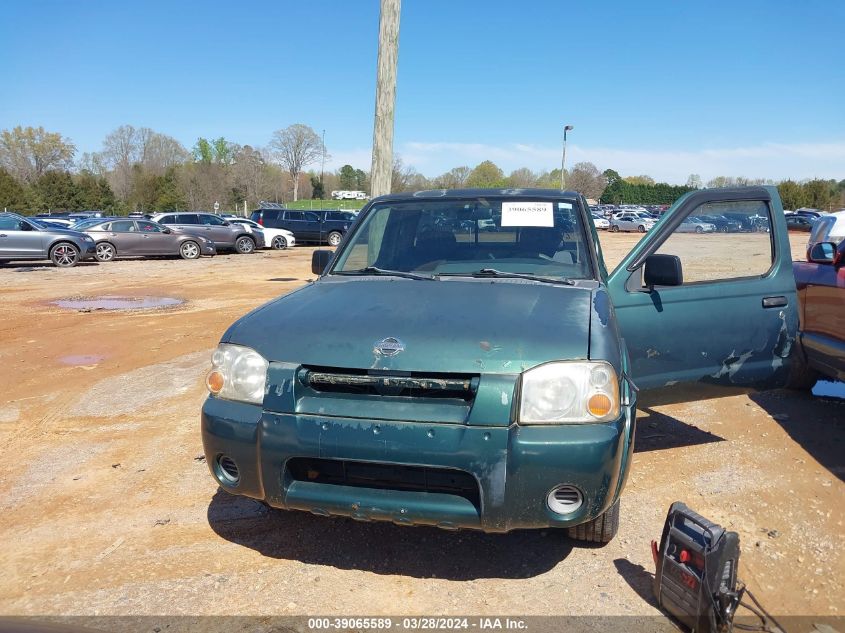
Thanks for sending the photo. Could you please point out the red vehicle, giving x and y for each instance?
(821, 301)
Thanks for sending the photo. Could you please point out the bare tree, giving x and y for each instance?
(296, 147)
(522, 177)
(28, 153)
(586, 179)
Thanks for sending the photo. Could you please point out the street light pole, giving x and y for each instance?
(566, 128)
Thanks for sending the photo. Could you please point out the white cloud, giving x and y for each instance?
(775, 161)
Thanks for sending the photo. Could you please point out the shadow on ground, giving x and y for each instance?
(657, 431)
(816, 423)
(384, 548)
(639, 578)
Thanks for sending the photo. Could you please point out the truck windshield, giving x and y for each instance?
(540, 238)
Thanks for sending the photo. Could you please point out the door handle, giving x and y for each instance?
(774, 302)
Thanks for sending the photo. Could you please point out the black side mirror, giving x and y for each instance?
(24, 226)
(167, 231)
(320, 261)
(663, 270)
(822, 253)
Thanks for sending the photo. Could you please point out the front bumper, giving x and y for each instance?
(515, 467)
(88, 253)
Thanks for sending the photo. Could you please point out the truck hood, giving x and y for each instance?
(455, 326)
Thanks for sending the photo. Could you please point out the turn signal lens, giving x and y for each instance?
(599, 405)
(214, 382)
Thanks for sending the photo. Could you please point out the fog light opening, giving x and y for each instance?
(227, 470)
(564, 499)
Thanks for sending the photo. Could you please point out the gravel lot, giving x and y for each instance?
(109, 509)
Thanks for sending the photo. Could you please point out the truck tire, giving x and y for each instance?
(801, 377)
(245, 245)
(334, 238)
(602, 529)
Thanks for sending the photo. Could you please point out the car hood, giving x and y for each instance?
(456, 326)
(67, 232)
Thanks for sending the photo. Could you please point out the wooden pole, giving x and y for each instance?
(388, 52)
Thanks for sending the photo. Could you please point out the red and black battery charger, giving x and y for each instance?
(696, 577)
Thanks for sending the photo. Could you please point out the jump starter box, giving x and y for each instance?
(696, 575)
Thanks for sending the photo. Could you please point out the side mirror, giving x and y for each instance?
(822, 253)
(663, 270)
(24, 226)
(320, 261)
(166, 231)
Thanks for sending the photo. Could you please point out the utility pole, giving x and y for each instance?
(388, 52)
(566, 128)
(323, 166)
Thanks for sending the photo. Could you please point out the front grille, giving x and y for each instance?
(385, 477)
(395, 384)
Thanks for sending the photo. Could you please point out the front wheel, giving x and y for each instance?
(602, 529)
(105, 252)
(698, 229)
(334, 238)
(614, 229)
(245, 245)
(64, 255)
(279, 243)
(641, 228)
(189, 250)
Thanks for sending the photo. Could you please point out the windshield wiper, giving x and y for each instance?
(492, 272)
(374, 270)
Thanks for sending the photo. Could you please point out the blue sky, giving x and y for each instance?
(663, 88)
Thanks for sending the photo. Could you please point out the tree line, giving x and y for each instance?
(139, 169)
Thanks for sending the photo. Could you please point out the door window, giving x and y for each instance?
(123, 226)
(212, 220)
(149, 227)
(294, 215)
(707, 254)
(9, 224)
(187, 218)
(312, 217)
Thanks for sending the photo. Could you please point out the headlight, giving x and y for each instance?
(569, 393)
(237, 373)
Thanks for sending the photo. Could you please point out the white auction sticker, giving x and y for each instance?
(527, 214)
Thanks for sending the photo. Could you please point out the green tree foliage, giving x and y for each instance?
(792, 195)
(620, 191)
(818, 194)
(348, 179)
(93, 192)
(486, 175)
(317, 191)
(203, 151)
(28, 153)
(12, 195)
(55, 191)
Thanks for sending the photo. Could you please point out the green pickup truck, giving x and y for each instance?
(465, 360)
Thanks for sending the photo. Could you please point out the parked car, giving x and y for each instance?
(829, 228)
(316, 227)
(600, 222)
(125, 237)
(821, 297)
(752, 224)
(278, 239)
(627, 221)
(722, 224)
(694, 224)
(27, 239)
(483, 383)
(224, 234)
(797, 222)
(810, 213)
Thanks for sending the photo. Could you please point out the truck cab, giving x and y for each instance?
(441, 373)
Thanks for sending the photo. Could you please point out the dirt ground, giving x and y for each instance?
(108, 507)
